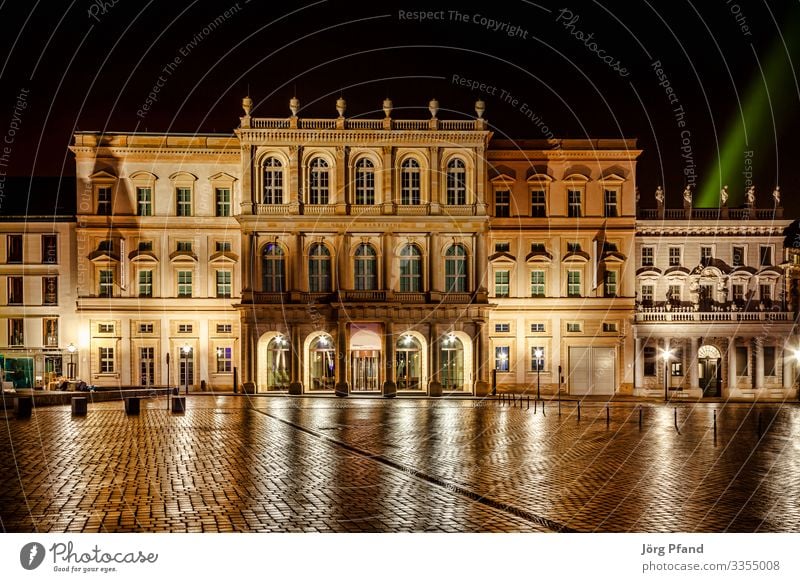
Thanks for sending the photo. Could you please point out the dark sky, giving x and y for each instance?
(732, 67)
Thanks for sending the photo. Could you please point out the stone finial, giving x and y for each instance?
(480, 107)
(341, 106)
(387, 107)
(433, 107)
(247, 105)
(294, 106)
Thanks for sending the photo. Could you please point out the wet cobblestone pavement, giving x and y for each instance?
(304, 465)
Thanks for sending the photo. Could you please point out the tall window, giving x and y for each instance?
(184, 283)
(366, 268)
(224, 360)
(649, 358)
(769, 361)
(610, 197)
(16, 332)
(144, 202)
(319, 182)
(738, 293)
(186, 375)
(610, 283)
(50, 332)
(648, 256)
(738, 256)
(537, 283)
(706, 254)
(537, 358)
(574, 203)
(456, 182)
(14, 248)
(410, 269)
(106, 360)
(319, 269)
(573, 283)
(365, 182)
(455, 269)
(224, 285)
(647, 294)
(183, 197)
(273, 269)
(104, 201)
(742, 359)
(501, 363)
(674, 256)
(501, 283)
(49, 249)
(674, 293)
(15, 294)
(409, 182)
(765, 293)
(147, 365)
(538, 205)
(273, 181)
(502, 203)
(322, 364)
(146, 283)
(223, 199)
(765, 256)
(49, 290)
(106, 283)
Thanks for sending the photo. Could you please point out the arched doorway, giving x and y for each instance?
(709, 363)
(411, 362)
(274, 364)
(320, 368)
(455, 362)
(365, 357)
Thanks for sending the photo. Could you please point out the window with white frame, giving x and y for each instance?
(104, 201)
(145, 283)
(502, 247)
(538, 204)
(609, 326)
(537, 358)
(223, 201)
(146, 328)
(273, 181)
(573, 283)
(410, 269)
(674, 293)
(365, 271)
(184, 283)
(648, 256)
(765, 256)
(410, 182)
(183, 201)
(456, 182)
(144, 201)
(537, 283)
(738, 256)
(537, 328)
(365, 182)
(224, 328)
(574, 203)
(706, 254)
(573, 327)
(50, 331)
(105, 328)
(185, 328)
(502, 203)
(224, 360)
(647, 294)
(184, 246)
(222, 246)
(501, 283)
(273, 269)
(502, 327)
(501, 358)
(674, 256)
(319, 182)
(765, 293)
(106, 283)
(319, 269)
(455, 269)
(224, 283)
(610, 283)
(610, 198)
(738, 293)
(106, 360)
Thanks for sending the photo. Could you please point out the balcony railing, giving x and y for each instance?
(271, 209)
(688, 314)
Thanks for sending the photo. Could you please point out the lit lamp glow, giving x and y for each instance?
(185, 351)
(667, 355)
(538, 353)
(71, 368)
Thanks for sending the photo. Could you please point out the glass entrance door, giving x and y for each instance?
(364, 370)
(146, 366)
(709, 377)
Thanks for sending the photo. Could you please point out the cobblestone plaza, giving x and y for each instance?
(283, 464)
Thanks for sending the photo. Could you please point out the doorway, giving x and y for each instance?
(708, 361)
(365, 357)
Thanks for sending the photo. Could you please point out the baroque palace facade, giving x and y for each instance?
(355, 256)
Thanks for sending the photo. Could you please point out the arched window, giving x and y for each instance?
(365, 182)
(319, 269)
(409, 182)
(322, 363)
(456, 182)
(318, 178)
(366, 268)
(273, 181)
(451, 357)
(409, 363)
(410, 269)
(455, 269)
(278, 363)
(273, 269)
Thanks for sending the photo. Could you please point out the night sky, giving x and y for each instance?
(710, 89)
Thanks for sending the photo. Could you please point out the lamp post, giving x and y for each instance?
(71, 368)
(667, 355)
(538, 353)
(185, 351)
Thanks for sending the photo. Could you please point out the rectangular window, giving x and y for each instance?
(186, 373)
(538, 247)
(224, 288)
(573, 327)
(184, 283)
(674, 293)
(610, 327)
(185, 328)
(647, 294)
(106, 288)
(185, 246)
(765, 256)
(765, 293)
(223, 246)
(537, 283)
(224, 328)
(144, 202)
(574, 203)
(16, 332)
(610, 283)
(146, 283)
(648, 256)
(224, 360)
(537, 358)
(223, 197)
(738, 256)
(183, 199)
(676, 368)
(49, 290)
(106, 245)
(49, 249)
(501, 363)
(538, 204)
(502, 204)
(649, 356)
(502, 327)
(104, 201)
(106, 360)
(145, 246)
(573, 283)
(674, 256)
(105, 328)
(738, 293)
(706, 254)
(610, 197)
(15, 295)
(502, 247)
(742, 357)
(145, 328)
(501, 283)
(50, 332)
(573, 247)
(14, 248)
(769, 361)
(537, 328)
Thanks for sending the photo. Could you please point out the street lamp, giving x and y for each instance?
(667, 355)
(538, 353)
(71, 371)
(185, 350)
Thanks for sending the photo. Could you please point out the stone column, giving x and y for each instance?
(343, 272)
(759, 371)
(340, 187)
(480, 182)
(387, 171)
(731, 365)
(294, 196)
(482, 361)
(481, 262)
(246, 376)
(638, 371)
(247, 262)
(694, 380)
(388, 261)
(342, 387)
(296, 265)
(389, 384)
(247, 200)
(435, 266)
(435, 388)
(435, 200)
(788, 368)
(296, 384)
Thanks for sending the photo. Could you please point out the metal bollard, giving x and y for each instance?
(715, 424)
(608, 417)
(579, 409)
(535, 406)
(559, 407)
(676, 421)
(640, 418)
(543, 412)
(529, 402)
